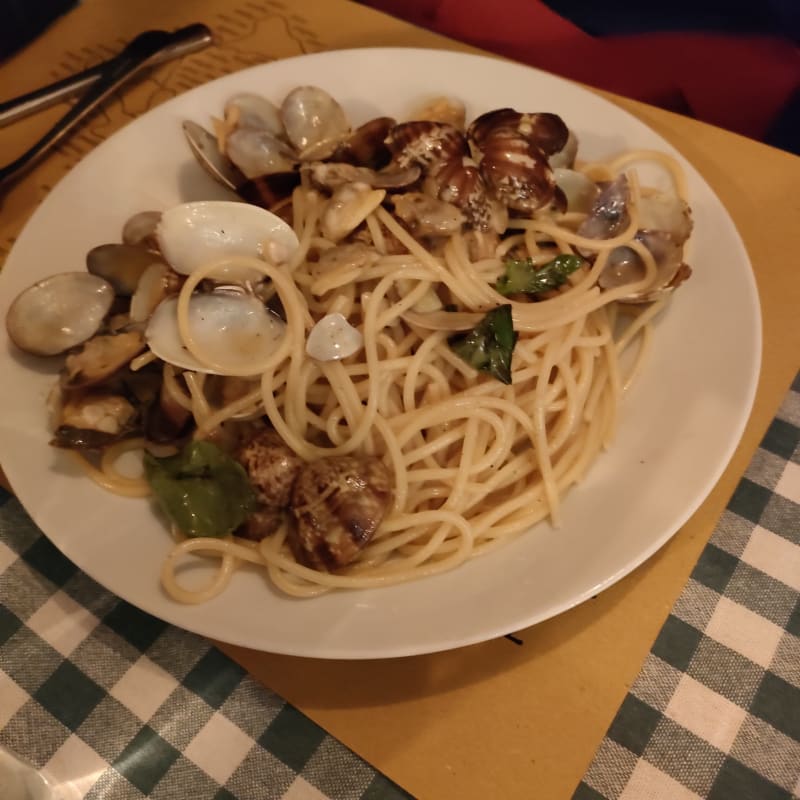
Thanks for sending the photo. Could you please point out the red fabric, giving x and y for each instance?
(740, 83)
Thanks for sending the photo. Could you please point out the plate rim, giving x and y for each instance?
(722, 461)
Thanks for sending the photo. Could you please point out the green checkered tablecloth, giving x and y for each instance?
(116, 705)
(715, 710)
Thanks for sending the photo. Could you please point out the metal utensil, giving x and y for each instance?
(146, 50)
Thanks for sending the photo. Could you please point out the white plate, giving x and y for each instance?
(679, 425)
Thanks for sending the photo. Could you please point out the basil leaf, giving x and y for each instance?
(522, 277)
(489, 345)
(201, 489)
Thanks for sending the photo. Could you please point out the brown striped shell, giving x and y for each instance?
(545, 130)
(426, 143)
(366, 146)
(338, 504)
(517, 173)
(515, 149)
(459, 181)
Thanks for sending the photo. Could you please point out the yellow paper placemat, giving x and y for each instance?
(501, 719)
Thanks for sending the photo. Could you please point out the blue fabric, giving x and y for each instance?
(23, 20)
(775, 17)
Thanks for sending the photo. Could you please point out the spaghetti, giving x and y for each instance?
(474, 461)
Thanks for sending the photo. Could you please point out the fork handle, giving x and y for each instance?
(143, 51)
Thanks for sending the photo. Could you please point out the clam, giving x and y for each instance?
(426, 143)
(255, 112)
(333, 338)
(565, 158)
(315, 123)
(459, 182)
(546, 131)
(92, 420)
(192, 235)
(664, 225)
(349, 206)
(100, 358)
(579, 191)
(664, 211)
(608, 215)
(263, 190)
(428, 216)
(122, 265)
(515, 149)
(626, 266)
(337, 503)
(59, 312)
(517, 173)
(366, 145)
(156, 282)
(332, 175)
(256, 152)
(205, 150)
(140, 229)
(234, 330)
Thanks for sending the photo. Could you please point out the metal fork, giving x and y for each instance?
(146, 50)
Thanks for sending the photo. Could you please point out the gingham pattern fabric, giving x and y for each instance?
(715, 711)
(115, 705)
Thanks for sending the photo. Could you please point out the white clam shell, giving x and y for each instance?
(349, 206)
(315, 123)
(255, 112)
(565, 157)
(258, 152)
(59, 312)
(234, 331)
(579, 190)
(193, 235)
(333, 338)
(665, 211)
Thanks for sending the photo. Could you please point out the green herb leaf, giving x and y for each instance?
(202, 489)
(523, 278)
(489, 345)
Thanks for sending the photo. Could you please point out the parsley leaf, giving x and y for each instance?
(522, 277)
(489, 345)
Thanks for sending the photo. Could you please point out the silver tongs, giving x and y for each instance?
(146, 50)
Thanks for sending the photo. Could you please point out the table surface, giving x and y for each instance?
(549, 700)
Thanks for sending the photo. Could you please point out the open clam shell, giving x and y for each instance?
(193, 235)
(59, 312)
(234, 332)
(315, 123)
